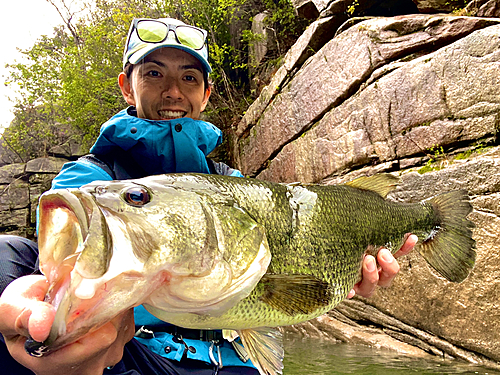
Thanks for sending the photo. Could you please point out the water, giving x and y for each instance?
(315, 357)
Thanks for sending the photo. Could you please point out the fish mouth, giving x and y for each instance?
(85, 287)
(67, 220)
(70, 232)
(63, 228)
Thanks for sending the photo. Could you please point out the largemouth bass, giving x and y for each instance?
(241, 255)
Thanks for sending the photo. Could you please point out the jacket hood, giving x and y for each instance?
(169, 146)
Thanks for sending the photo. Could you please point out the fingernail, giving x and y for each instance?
(386, 256)
(371, 265)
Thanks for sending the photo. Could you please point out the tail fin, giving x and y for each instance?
(450, 249)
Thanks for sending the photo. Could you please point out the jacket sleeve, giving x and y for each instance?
(78, 173)
(223, 169)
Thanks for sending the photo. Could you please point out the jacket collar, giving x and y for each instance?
(169, 146)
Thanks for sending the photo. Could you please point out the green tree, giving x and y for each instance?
(69, 79)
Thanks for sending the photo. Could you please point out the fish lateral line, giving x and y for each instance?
(316, 236)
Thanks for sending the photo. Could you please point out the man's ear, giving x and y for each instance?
(208, 91)
(126, 88)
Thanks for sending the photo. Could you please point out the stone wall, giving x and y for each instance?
(21, 184)
(416, 95)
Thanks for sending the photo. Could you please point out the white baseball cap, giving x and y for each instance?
(147, 35)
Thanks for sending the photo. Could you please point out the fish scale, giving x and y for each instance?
(219, 252)
(356, 209)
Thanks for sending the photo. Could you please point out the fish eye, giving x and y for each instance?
(136, 196)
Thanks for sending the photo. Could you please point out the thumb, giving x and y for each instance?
(36, 321)
(22, 309)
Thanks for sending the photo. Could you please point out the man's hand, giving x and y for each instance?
(24, 313)
(385, 273)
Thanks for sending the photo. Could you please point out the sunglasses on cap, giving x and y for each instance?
(156, 31)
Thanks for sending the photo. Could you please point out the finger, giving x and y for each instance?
(105, 344)
(40, 321)
(87, 356)
(93, 345)
(351, 294)
(408, 246)
(30, 287)
(35, 320)
(17, 302)
(389, 267)
(368, 283)
(125, 327)
(97, 341)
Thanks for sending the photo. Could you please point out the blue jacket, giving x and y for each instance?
(179, 145)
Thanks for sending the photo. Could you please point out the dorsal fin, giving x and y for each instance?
(381, 184)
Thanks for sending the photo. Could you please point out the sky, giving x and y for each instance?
(23, 23)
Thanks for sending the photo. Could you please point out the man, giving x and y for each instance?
(165, 82)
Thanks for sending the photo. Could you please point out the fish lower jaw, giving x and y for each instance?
(174, 305)
(60, 302)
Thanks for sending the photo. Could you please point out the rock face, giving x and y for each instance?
(343, 9)
(466, 314)
(417, 95)
(483, 8)
(408, 94)
(458, 320)
(385, 62)
(20, 186)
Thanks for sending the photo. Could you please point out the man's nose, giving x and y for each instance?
(172, 90)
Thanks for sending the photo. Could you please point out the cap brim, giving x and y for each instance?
(137, 56)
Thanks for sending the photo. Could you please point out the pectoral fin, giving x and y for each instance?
(295, 294)
(265, 349)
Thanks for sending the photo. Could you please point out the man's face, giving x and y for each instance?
(168, 84)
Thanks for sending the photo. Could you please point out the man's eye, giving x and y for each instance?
(190, 78)
(154, 73)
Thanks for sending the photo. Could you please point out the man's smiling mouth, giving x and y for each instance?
(169, 115)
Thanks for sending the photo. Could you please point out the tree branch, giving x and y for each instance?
(67, 20)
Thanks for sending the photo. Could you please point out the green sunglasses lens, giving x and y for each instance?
(190, 37)
(152, 31)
